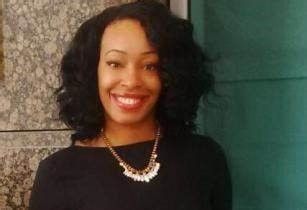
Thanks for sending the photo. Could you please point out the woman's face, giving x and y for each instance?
(128, 77)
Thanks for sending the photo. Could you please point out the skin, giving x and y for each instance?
(129, 83)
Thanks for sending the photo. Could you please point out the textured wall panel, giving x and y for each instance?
(1, 44)
(17, 172)
(20, 154)
(35, 34)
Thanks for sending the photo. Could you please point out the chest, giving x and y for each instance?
(179, 185)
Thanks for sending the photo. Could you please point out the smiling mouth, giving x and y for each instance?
(128, 102)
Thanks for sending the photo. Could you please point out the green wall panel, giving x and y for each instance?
(252, 36)
(260, 115)
(262, 127)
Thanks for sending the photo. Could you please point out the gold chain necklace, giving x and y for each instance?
(144, 175)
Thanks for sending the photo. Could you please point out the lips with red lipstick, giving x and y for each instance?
(128, 102)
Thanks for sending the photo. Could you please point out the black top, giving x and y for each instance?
(193, 176)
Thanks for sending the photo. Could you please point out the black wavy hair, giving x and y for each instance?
(183, 70)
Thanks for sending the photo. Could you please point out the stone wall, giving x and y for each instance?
(1, 44)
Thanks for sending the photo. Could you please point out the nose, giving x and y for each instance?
(131, 78)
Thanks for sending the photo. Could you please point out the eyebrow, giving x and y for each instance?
(123, 52)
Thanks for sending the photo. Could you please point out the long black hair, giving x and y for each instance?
(184, 75)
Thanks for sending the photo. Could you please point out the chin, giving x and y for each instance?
(131, 119)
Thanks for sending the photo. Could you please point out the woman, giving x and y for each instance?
(131, 82)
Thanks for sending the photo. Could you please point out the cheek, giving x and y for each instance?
(159, 86)
(105, 80)
(155, 84)
(104, 84)
(156, 90)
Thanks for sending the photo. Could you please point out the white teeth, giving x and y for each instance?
(129, 101)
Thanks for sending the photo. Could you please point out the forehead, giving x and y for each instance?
(126, 35)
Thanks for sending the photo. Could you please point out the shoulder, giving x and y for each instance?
(197, 147)
(206, 150)
(56, 160)
(202, 144)
(204, 141)
(210, 154)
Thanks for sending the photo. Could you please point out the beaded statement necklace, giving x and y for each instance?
(143, 175)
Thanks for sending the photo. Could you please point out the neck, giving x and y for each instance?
(119, 134)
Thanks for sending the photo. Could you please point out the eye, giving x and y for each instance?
(151, 67)
(113, 64)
